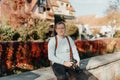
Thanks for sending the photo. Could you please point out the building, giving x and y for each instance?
(64, 9)
(18, 13)
(40, 9)
(46, 9)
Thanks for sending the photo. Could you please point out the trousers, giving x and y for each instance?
(63, 73)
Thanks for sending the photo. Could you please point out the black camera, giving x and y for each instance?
(75, 67)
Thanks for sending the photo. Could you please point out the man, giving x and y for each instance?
(60, 55)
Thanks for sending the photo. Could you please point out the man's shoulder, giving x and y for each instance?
(69, 37)
(52, 39)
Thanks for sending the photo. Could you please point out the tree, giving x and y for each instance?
(59, 18)
(113, 13)
(113, 7)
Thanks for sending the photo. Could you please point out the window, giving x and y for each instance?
(44, 2)
(62, 4)
(41, 9)
(41, 2)
(67, 5)
(41, 6)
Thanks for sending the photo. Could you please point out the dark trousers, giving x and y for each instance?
(62, 72)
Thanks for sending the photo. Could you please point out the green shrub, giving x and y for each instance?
(6, 32)
(117, 34)
(36, 32)
(72, 30)
(42, 29)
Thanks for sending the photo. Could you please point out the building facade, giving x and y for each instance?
(20, 12)
(63, 8)
(46, 9)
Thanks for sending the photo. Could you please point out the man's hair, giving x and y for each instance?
(58, 23)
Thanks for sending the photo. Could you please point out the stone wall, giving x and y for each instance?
(106, 67)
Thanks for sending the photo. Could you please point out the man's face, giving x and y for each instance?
(60, 29)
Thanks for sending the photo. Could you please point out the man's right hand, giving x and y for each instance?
(67, 63)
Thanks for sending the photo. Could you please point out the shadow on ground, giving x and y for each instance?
(23, 76)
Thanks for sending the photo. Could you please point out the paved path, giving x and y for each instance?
(40, 74)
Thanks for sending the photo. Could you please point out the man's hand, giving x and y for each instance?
(67, 63)
(78, 63)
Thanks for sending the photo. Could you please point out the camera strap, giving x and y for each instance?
(56, 44)
(71, 54)
(56, 40)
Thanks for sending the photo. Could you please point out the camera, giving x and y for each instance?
(75, 67)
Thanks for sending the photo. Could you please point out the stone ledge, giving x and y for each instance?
(98, 61)
(105, 67)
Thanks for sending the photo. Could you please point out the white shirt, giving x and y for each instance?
(62, 50)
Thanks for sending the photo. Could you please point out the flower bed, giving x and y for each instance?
(89, 48)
